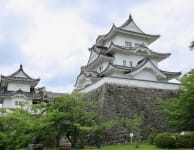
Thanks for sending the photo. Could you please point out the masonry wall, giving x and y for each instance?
(125, 102)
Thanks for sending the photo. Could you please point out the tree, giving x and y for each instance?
(69, 116)
(17, 128)
(180, 110)
(46, 122)
(191, 46)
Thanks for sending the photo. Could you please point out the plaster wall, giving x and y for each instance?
(131, 83)
(13, 102)
(119, 39)
(17, 86)
(120, 57)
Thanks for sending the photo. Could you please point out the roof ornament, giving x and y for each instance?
(130, 16)
(21, 67)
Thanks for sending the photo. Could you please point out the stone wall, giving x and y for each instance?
(124, 102)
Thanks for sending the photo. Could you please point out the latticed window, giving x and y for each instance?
(124, 62)
(100, 68)
(16, 103)
(128, 44)
(137, 44)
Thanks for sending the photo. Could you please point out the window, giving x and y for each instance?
(16, 103)
(31, 89)
(124, 62)
(137, 44)
(35, 101)
(131, 64)
(100, 68)
(128, 44)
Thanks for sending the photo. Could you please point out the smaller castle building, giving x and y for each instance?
(18, 87)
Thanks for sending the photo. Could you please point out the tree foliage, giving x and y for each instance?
(180, 110)
(68, 115)
(191, 46)
(17, 128)
(45, 123)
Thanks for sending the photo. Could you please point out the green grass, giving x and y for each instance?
(127, 147)
(123, 147)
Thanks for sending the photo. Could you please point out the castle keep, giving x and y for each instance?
(122, 57)
(122, 74)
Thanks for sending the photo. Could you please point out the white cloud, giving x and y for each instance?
(1, 38)
(63, 88)
(58, 40)
(173, 20)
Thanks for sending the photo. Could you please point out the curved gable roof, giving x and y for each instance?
(19, 76)
(163, 74)
(130, 25)
(149, 53)
(116, 68)
(99, 60)
(131, 30)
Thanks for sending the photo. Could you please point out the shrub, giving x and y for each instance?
(165, 140)
(152, 136)
(185, 141)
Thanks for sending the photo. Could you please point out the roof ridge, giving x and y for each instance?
(20, 69)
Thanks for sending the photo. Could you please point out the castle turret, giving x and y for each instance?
(18, 87)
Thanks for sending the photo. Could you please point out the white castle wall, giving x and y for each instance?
(21, 75)
(132, 83)
(14, 101)
(120, 39)
(16, 86)
(119, 57)
(145, 75)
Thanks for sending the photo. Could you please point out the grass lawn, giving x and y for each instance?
(123, 147)
(128, 147)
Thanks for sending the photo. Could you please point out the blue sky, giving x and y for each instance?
(51, 37)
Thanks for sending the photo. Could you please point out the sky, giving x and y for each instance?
(50, 38)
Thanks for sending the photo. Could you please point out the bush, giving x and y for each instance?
(185, 141)
(174, 140)
(165, 140)
(152, 136)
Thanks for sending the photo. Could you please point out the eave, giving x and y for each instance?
(161, 74)
(26, 94)
(15, 78)
(102, 38)
(101, 58)
(171, 75)
(7, 79)
(142, 65)
(151, 54)
(82, 73)
(114, 68)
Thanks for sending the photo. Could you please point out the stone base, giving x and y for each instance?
(124, 102)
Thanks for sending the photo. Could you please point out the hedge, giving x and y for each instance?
(165, 140)
(185, 141)
(174, 140)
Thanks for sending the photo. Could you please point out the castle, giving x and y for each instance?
(122, 75)
(122, 57)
